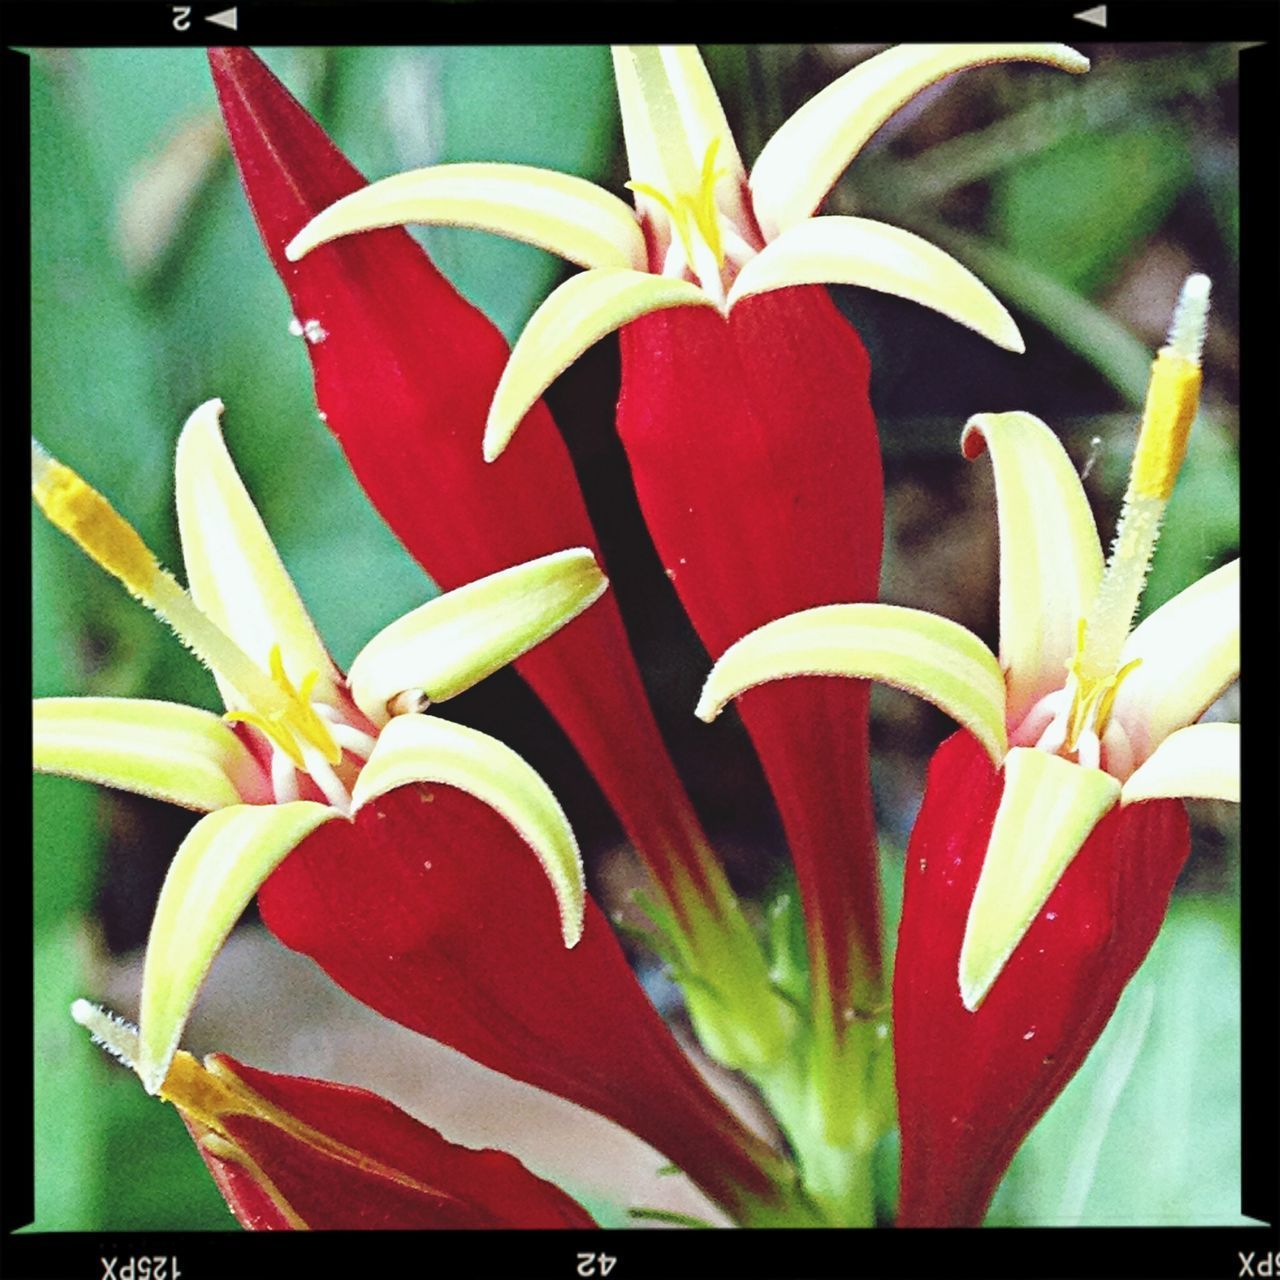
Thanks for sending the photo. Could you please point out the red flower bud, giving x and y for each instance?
(290, 1153)
(972, 1085)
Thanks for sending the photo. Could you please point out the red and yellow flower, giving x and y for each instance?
(744, 414)
(390, 845)
(1041, 864)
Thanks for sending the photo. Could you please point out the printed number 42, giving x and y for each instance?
(595, 1264)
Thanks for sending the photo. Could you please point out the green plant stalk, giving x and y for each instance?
(721, 968)
(834, 1152)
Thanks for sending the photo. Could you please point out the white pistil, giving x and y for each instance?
(347, 736)
(736, 249)
(118, 1037)
(707, 269)
(330, 784)
(284, 777)
(673, 264)
(353, 740)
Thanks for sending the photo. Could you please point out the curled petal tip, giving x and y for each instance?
(708, 708)
(874, 255)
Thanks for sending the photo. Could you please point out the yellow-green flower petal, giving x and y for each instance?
(576, 315)
(859, 251)
(216, 871)
(802, 161)
(425, 749)
(702, 122)
(1048, 808)
(1199, 762)
(565, 215)
(1189, 652)
(158, 749)
(907, 648)
(1050, 556)
(659, 149)
(458, 638)
(233, 569)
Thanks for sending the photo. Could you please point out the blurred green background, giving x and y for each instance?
(1082, 202)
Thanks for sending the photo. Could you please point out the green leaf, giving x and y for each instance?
(1170, 1154)
(1081, 207)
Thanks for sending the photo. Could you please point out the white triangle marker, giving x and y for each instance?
(1097, 15)
(227, 18)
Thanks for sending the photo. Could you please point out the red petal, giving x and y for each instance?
(972, 1085)
(404, 378)
(755, 458)
(341, 1158)
(431, 910)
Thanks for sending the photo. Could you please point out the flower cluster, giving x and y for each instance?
(430, 871)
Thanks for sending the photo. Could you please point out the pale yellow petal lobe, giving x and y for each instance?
(874, 255)
(216, 871)
(233, 569)
(1188, 652)
(1050, 555)
(457, 639)
(802, 161)
(929, 656)
(1200, 762)
(565, 215)
(1047, 811)
(576, 316)
(158, 749)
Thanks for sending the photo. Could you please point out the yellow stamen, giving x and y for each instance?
(1092, 698)
(93, 524)
(698, 208)
(1172, 398)
(299, 720)
(703, 205)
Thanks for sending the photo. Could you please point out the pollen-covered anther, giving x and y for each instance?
(703, 238)
(296, 724)
(1173, 396)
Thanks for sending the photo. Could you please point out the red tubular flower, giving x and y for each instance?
(711, 415)
(467, 952)
(1052, 832)
(972, 1084)
(745, 417)
(292, 1154)
(405, 369)
(398, 885)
